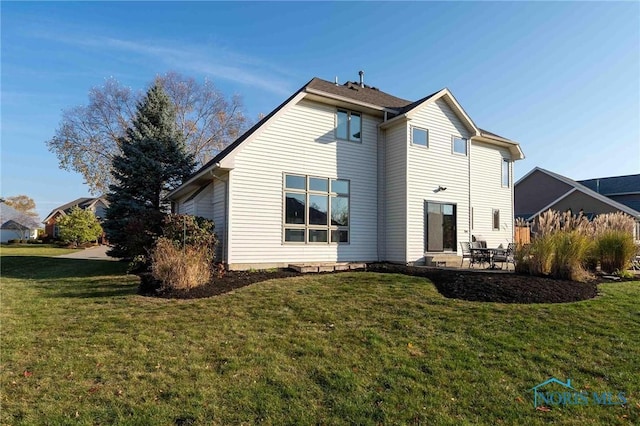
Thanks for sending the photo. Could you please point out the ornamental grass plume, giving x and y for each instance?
(180, 268)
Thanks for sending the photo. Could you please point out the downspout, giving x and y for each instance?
(226, 213)
(470, 207)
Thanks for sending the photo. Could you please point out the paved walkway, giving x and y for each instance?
(93, 253)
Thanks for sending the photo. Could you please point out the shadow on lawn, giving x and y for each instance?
(93, 291)
(46, 268)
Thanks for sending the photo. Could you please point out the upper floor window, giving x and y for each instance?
(459, 145)
(420, 137)
(349, 126)
(505, 172)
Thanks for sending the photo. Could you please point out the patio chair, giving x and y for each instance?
(505, 256)
(466, 253)
(478, 255)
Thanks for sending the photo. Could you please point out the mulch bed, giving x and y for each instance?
(502, 287)
(479, 286)
(230, 281)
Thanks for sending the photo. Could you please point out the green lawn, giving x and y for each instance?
(80, 347)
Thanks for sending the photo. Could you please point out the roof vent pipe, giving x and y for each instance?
(361, 74)
(336, 80)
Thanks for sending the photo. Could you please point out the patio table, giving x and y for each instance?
(488, 253)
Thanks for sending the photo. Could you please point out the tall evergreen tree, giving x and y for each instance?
(153, 161)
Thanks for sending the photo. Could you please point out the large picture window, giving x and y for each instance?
(349, 125)
(316, 210)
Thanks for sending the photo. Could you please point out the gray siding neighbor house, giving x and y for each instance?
(541, 190)
(346, 172)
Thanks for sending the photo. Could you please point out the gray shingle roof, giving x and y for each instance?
(614, 184)
(82, 202)
(352, 90)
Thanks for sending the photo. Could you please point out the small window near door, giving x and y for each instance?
(496, 220)
(459, 145)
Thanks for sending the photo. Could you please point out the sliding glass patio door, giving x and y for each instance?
(440, 227)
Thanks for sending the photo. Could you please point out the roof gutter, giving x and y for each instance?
(514, 147)
(349, 100)
(192, 180)
(397, 119)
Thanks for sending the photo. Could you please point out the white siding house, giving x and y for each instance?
(350, 173)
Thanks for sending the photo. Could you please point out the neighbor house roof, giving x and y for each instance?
(353, 91)
(10, 216)
(577, 187)
(83, 203)
(614, 185)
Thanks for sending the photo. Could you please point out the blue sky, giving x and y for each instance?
(563, 79)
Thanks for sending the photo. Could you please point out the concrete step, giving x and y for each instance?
(442, 259)
(305, 268)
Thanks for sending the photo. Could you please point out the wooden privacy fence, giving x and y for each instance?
(523, 235)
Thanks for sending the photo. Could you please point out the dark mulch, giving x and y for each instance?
(230, 281)
(503, 287)
(480, 286)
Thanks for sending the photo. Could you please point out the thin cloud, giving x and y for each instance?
(209, 60)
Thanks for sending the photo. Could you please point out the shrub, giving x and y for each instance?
(79, 227)
(189, 230)
(180, 268)
(614, 249)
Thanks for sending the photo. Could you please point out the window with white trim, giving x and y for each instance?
(420, 137)
(496, 219)
(459, 145)
(349, 125)
(505, 172)
(316, 210)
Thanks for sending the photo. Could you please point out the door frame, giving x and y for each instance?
(425, 225)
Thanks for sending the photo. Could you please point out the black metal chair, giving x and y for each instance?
(505, 256)
(466, 253)
(479, 254)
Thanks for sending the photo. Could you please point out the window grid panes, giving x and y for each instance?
(420, 137)
(316, 210)
(349, 125)
(460, 145)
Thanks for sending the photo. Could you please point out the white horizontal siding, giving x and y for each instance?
(186, 207)
(434, 166)
(487, 193)
(301, 141)
(204, 203)
(396, 191)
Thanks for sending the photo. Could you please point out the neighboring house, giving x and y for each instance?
(541, 190)
(97, 205)
(623, 189)
(350, 173)
(16, 225)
